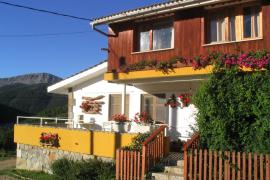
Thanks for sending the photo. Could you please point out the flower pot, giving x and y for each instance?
(121, 127)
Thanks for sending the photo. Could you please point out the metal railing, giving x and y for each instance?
(46, 121)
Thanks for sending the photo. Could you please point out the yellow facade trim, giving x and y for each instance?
(97, 143)
(150, 74)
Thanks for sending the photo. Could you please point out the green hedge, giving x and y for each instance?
(234, 111)
(89, 169)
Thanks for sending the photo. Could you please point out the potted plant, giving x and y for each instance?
(120, 123)
(142, 123)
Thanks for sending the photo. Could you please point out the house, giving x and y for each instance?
(152, 67)
(152, 48)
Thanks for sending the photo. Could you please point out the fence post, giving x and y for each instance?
(41, 121)
(56, 120)
(144, 162)
(185, 165)
(18, 119)
(117, 164)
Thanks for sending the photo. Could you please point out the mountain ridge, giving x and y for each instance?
(30, 79)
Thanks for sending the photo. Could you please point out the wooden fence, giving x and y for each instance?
(205, 164)
(133, 165)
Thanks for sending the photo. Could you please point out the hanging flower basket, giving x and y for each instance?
(185, 100)
(172, 102)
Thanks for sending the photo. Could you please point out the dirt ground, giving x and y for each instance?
(8, 164)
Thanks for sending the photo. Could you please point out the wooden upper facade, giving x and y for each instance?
(229, 27)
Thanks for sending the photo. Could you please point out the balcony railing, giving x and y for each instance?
(46, 121)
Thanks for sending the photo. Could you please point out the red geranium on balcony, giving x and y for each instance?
(185, 100)
(119, 118)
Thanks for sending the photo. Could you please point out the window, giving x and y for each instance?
(156, 37)
(154, 105)
(217, 28)
(116, 105)
(144, 41)
(233, 24)
(251, 22)
(162, 37)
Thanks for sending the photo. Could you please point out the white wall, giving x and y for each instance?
(179, 119)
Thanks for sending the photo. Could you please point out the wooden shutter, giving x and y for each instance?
(154, 105)
(115, 104)
(127, 106)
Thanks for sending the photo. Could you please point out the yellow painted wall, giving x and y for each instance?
(69, 139)
(151, 74)
(106, 143)
(98, 143)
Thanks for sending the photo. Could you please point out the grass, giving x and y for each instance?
(23, 174)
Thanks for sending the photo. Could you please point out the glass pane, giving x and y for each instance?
(162, 38)
(161, 110)
(144, 41)
(232, 28)
(256, 22)
(213, 30)
(147, 104)
(247, 22)
(221, 29)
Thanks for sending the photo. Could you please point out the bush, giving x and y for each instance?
(89, 169)
(136, 144)
(234, 111)
(6, 138)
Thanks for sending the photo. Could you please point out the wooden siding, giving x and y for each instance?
(188, 35)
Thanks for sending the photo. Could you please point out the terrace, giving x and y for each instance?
(79, 137)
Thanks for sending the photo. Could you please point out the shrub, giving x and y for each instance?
(6, 138)
(88, 169)
(136, 144)
(234, 111)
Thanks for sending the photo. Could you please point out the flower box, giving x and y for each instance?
(49, 140)
(121, 127)
(141, 128)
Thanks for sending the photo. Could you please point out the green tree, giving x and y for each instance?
(234, 111)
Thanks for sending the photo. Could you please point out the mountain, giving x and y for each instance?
(30, 79)
(27, 95)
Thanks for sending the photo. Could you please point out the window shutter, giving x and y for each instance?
(115, 104)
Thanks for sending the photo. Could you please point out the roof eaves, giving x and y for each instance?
(159, 8)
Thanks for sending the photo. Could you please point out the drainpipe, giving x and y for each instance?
(124, 99)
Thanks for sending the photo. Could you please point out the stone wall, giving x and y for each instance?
(40, 158)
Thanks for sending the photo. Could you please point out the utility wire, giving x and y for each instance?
(45, 11)
(41, 35)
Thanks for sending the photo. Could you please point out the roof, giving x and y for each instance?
(79, 78)
(154, 9)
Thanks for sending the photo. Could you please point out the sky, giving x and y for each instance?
(59, 55)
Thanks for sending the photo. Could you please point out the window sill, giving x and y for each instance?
(231, 42)
(167, 49)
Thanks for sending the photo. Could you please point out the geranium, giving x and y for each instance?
(119, 118)
(185, 100)
(142, 117)
(49, 139)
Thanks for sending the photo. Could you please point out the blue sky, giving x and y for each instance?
(62, 55)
